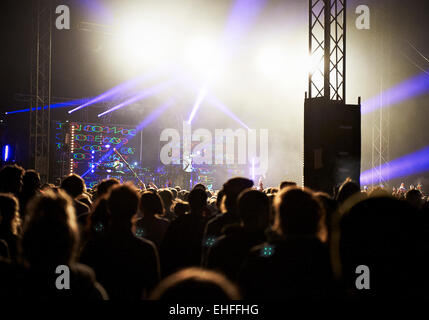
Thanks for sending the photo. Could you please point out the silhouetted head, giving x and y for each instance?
(195, 284)
(151, 204)
(183, 195)
(208, 193)
(254, 209)
(31, 181)
(123, 203)
(73, 185)
(414, 197)
(330, 206)
(11, 179)
(50, 230)
(346, 190)
(99, 217)
(197, 200)
(9, 213)
(200, 186)
(285, 184)
(104, 186)
(174, 192)
(381, 233)
(298, 212)
(181, 207)
(167, 198)
(232, 188)
(219, 199)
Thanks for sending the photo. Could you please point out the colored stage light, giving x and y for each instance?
(241, 17)
(411, 88)
(53, 106)
(149, 119)
(212, 100)
(200, 98)
(408, 165)
(142, 95)
(6, 153)
(121, 88)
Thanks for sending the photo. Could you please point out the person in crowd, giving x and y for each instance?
(228, 252)
(10, 223)
(199, 186)
(4, 250)
(174, 192)
(219, 199)
(85, 198)
(331, 213)
(97, 223)
(127, 266)
(347, 189)
(415, 198)
(183, 195)
(180, 208)
(74, 186)
(151, 225)
(104, 187)
(167, 201)
(49, 245)
(11, 179)
(30, 187)
(99, 219)
(214, 228)
(285, 184)
(195, 284)
(297, 264)
(182, 243)
(383, 235)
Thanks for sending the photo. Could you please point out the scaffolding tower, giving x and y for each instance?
(380, 152)
(327, 47)
(41, 66)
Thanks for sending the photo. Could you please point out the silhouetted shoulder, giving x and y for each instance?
(145, 244)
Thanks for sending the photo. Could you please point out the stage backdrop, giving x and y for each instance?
(87, 149)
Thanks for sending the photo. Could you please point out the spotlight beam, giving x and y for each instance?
(200, 98)
(242, 16)
(218, 104)
(413, 87)
(410, 164)
(120, 88)
(148, 120)
(143, 95)
(212, 100)
(53, 106)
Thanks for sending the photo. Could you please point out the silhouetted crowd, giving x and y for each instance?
(241, 242)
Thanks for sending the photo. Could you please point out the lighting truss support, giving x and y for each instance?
(380, 146)
(41, 87)
(327, 46)
(380, 154)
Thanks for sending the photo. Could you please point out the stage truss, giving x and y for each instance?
(41, 87)
(327, 46)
